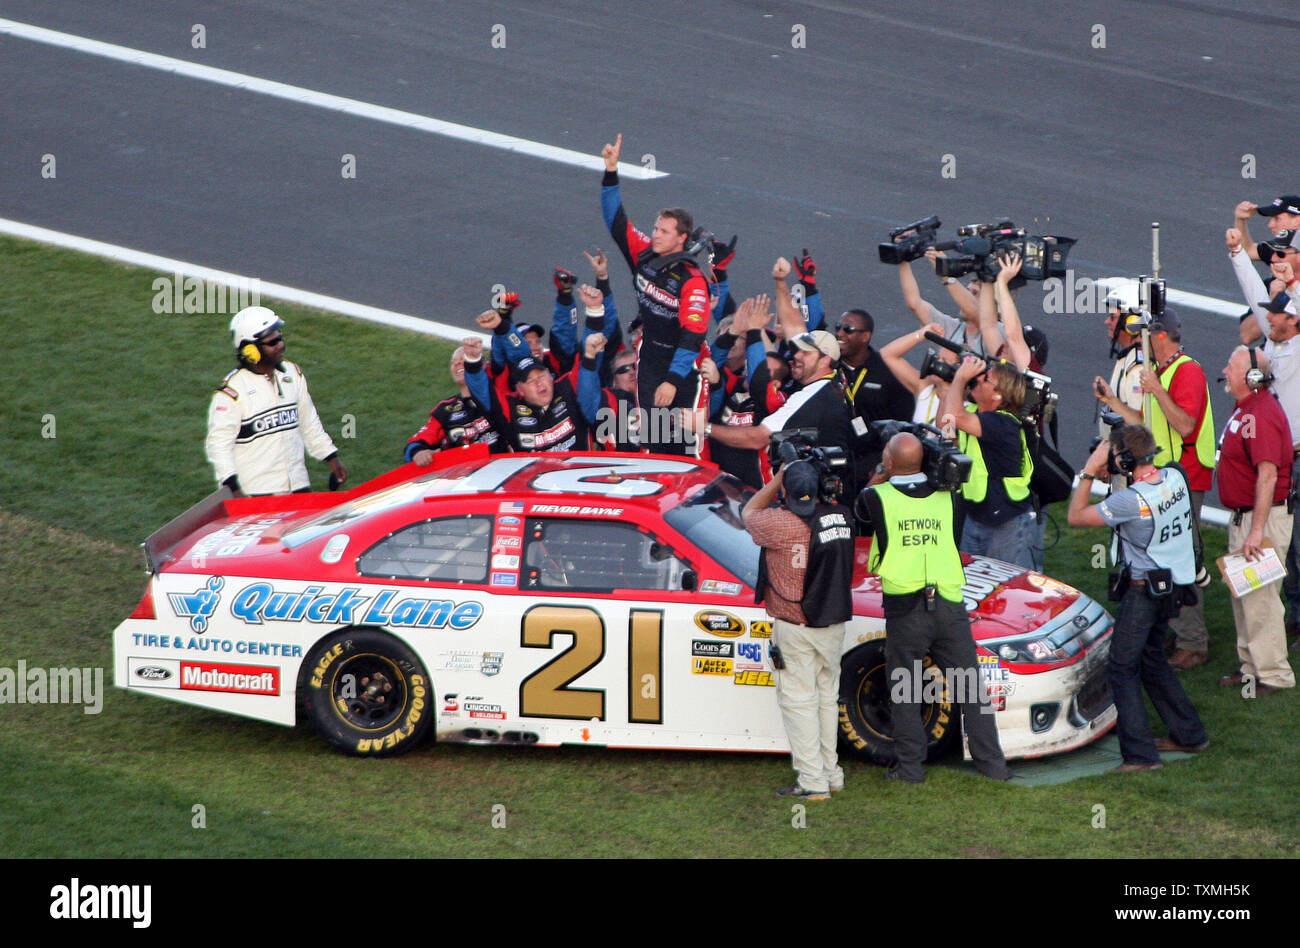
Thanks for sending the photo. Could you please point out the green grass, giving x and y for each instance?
(129, 391)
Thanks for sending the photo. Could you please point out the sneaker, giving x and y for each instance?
(799, 793)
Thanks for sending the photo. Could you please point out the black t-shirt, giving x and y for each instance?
(1000, 445)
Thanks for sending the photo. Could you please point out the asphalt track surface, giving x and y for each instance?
(824, 146)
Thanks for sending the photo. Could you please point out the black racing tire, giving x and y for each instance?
(866, 716)
(366, 693)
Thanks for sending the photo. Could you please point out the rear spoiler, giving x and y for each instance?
(159, 545)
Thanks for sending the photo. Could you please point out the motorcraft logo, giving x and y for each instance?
(238, 679)
(199, 605)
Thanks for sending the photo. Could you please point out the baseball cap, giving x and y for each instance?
(818, 341)
(1275, 246)
(535, 327)
(520, 371)
(800, 484)
(1168, 321)
(1036, 340)
(1286, 204)
(1278, 304)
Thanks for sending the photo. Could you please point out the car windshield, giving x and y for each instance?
(711, 520)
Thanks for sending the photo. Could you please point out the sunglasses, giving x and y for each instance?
(849, 329)
(271, 343)
(623, 370)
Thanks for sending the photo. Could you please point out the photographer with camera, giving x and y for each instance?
(1122, 303)
(1000, 519)
(804, 579)
(916, 525)
(1181, 420)
(1161, 559)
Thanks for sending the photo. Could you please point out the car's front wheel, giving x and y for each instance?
(367, 693)
(866, 715)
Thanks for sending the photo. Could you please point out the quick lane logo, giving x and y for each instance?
(260, 603)
(103, 901)
(199, 605)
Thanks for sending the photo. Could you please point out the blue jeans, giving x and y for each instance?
(1013, 541)
(1137, 661)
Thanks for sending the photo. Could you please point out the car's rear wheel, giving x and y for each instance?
(866, 715)
(367, 693)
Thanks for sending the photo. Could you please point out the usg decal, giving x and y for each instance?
(722, 624)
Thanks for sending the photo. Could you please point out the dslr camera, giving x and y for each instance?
(1040, 400)
(800, 444)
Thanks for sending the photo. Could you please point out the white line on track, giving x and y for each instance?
(277, 290)
(320, 100)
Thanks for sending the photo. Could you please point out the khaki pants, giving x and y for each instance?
(1261, 633)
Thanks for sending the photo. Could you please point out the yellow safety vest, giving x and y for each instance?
(976, 489)
(1168, 440)
(922, 546)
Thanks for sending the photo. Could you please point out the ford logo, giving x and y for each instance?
(152, 673)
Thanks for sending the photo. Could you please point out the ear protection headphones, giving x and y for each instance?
(1123, 460)
(1257, 378)
(250, 353)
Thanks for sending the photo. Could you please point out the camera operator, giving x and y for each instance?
(1182, 423)
(804, 579)
(1154, 520)
(915, 554)
(1000, 519)
(965, 330)
(927, 389)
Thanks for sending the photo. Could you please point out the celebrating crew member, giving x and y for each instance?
(818, 403)
(1283, 216)
(1000, 520)
(673, 305)
(1158, 549)
(873, 391)
(804, 577)
(541, 414)
(915, 554)
(1254, 477)
(1182, 422)
(454, 421)
(262, 416)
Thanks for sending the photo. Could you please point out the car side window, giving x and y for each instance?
(450, 549)
(594, 555)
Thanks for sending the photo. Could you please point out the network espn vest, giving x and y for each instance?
(1172, 545)
(1169, 441)
(977, 488)
(920, 543)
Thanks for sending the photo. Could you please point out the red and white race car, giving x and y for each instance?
(553, 599)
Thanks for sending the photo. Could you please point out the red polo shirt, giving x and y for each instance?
(1258, 431)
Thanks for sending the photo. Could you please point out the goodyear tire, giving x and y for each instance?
(866, 718)
(367, 693)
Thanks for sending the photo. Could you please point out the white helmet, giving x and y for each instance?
(251, 323)
(1125, 295)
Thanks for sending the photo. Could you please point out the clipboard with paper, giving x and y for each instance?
(1244, 576)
